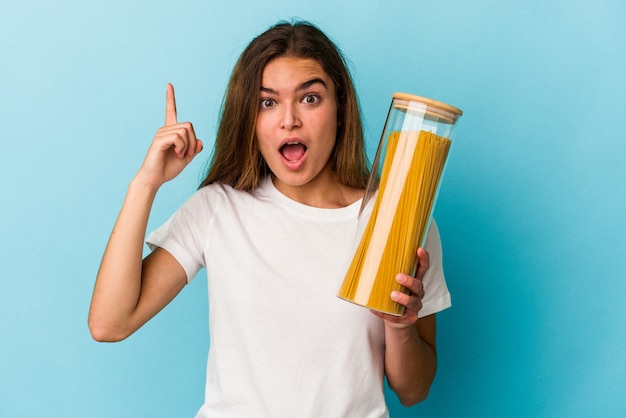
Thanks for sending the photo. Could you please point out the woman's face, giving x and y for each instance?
(296, 126)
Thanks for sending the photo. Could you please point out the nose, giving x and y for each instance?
(290, 119)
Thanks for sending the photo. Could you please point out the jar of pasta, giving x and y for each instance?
(399, 200)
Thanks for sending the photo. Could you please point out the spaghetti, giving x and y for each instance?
(411, 171)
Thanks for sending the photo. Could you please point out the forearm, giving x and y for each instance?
(410, 362)
(118, 284)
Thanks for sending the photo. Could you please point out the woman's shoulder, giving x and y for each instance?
(220, 193)
(214, 191)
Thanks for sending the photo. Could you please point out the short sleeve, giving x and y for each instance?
(183, 236)
(436, 294)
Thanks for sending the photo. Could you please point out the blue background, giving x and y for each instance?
(531, 209)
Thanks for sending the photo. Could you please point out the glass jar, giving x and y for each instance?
(399, 199)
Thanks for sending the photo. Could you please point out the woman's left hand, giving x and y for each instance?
(411, 301)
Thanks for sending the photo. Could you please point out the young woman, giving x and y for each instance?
(272, 224)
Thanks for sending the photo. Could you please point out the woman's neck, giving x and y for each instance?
(324, 191)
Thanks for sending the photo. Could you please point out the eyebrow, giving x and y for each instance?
(301, 87)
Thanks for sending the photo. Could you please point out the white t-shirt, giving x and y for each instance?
(282, 344)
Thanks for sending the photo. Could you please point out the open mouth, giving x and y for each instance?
(293, 151)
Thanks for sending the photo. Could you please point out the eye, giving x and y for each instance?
(266, 103)
(311, 99)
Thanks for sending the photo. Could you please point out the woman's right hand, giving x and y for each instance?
(174, 146)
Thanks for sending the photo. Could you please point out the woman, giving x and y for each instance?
(272, 224)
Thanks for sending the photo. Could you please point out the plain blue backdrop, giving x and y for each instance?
(531, 209)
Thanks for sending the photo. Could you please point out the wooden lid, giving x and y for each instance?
(440, 110)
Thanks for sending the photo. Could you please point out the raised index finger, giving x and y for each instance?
(170, 105)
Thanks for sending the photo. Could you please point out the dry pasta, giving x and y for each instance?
(411, 170)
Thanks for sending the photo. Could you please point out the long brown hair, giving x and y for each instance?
(236, 159)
